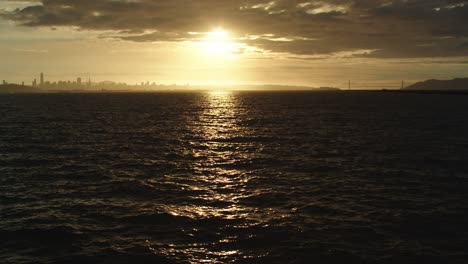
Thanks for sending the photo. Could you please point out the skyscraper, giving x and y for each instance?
(42, 79)
(78, 81)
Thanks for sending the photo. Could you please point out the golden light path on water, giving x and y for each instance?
(217, 184)
(216, 124)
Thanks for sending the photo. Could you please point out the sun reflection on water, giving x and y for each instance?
(219, 93)
(216, 185)
(219, 123)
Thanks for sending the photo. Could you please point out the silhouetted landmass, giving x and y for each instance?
(447, 92)
(109, 87)
(15, 88)
(329, 89)
(81, 85)
(440, 85)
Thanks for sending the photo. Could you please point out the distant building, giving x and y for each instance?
(78, 81)
(4, 82)
(34, 83)
(42, 79)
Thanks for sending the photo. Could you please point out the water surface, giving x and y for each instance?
(298, 177)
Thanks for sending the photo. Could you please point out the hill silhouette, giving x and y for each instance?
(440, 85)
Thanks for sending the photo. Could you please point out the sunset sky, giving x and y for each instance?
(375, 43)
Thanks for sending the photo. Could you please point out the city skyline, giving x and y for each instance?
(44, 83)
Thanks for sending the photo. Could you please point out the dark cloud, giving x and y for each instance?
(390, 29)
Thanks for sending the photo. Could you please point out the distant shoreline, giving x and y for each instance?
(30, 90)
(462, 92)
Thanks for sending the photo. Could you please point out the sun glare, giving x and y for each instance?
(218, 43)
(217, 35)
(219, 54)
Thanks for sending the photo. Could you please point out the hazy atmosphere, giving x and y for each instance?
(375, 43)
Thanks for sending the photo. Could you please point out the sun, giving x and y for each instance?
(219, 53)
(217, 35)
(218, 43)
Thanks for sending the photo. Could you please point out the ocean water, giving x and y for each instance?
(249, 177)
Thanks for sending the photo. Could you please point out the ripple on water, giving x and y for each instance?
(233, 177)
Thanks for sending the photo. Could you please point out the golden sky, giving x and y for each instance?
(375, 43)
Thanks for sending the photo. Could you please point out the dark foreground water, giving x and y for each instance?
(244, 177)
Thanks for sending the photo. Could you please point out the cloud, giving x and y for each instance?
(389, 29)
